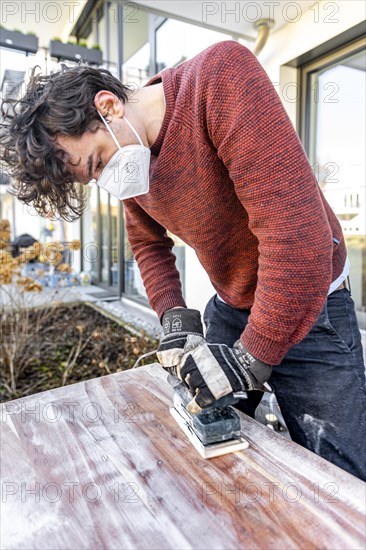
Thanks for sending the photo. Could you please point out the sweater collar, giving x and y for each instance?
(166, 78)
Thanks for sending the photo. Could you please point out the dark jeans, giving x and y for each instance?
(320, 384)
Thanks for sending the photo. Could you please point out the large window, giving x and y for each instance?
(335, 141)
(136, 49)
(177, 41)
(104, 235)
(90, 223)
(134, 287)
(114, 266)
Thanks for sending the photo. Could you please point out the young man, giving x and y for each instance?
(229, 176)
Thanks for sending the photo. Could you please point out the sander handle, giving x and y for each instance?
(225, 401)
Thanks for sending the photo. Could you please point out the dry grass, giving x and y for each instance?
(49, 347)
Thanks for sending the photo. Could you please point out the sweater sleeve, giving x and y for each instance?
(273, 179)
(152, 249)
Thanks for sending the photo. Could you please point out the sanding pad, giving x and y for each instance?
(213, 449)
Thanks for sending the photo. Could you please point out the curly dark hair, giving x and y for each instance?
(61, 103)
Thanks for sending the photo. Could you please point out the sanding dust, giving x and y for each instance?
(315, 431)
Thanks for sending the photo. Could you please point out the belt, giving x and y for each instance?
(345, 284)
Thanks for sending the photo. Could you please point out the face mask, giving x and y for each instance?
(126, 174)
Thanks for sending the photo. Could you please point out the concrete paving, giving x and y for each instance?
(131, 312)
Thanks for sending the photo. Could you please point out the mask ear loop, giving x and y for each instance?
(112, 134)
(109, 130)
(134, 131)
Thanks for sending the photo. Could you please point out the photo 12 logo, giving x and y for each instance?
(68, 10)
(250, 12)
(69, 491)
(130, 172)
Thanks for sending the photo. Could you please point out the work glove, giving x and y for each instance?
(183, 332)
(211, 371)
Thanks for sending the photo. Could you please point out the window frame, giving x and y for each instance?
(307, 115)
(307, 111)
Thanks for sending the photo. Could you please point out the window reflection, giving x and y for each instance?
(177, 41)
(104, 229)
(134, 286)
(136, 48)
(340, 158)
(115, 252)
(90, 233)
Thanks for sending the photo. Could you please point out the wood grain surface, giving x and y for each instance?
(102, 464)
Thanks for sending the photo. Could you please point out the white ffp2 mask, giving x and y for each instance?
(126, 174)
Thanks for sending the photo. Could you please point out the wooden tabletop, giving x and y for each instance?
(102, 464)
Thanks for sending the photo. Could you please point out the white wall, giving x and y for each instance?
(198, 288)
(314, 27)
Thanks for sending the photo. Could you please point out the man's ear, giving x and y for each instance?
(108, 104)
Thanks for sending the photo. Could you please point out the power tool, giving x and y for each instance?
(214, 430)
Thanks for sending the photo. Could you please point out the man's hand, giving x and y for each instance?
(183, 332)
(213, 370)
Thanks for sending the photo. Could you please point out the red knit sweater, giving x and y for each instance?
(230, 177)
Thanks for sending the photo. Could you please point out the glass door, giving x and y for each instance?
(102, 252)
(335, 140)
(115, 242)
(104, 234)
(133, 287)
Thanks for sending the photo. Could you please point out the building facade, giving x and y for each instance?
(315, 57)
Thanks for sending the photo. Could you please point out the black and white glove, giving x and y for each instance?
(213, 370)
(183, 332)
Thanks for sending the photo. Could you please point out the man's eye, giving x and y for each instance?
(98, 168)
